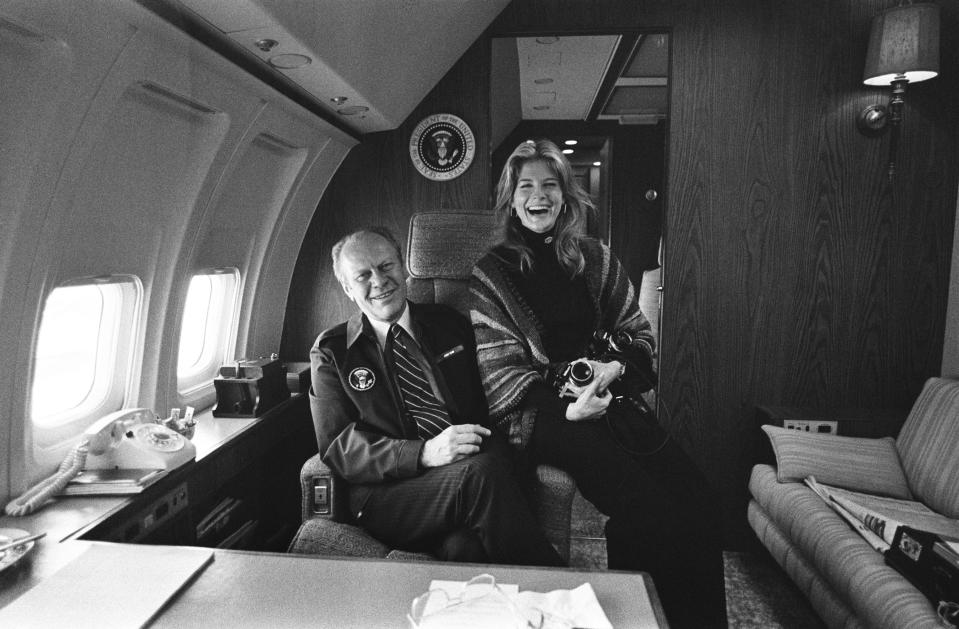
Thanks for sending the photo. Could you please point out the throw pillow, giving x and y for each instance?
(856, 463)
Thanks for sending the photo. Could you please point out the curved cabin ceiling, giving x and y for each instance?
(377, 58)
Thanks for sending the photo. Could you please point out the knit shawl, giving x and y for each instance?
(509, 344)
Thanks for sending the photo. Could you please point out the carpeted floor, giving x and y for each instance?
(759, 595)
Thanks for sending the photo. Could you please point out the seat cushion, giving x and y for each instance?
(441, 250)
(877, 594)
(405, 555)
(321, 536)
(446, 245)
(553, 494)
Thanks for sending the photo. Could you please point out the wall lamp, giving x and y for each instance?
(903, 48)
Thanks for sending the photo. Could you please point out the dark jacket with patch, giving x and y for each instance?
(362, 431)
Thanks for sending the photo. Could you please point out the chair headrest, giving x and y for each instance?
(446, 245)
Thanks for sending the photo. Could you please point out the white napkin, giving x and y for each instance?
(562, 609)
(578, 606)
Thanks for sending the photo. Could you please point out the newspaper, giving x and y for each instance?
(875, 540)
(877, 518)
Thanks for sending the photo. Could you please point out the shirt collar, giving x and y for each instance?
(382, 329)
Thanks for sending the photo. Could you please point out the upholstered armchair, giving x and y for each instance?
(441, 250)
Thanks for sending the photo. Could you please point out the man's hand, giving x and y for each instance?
(456, 442)
(590, 404)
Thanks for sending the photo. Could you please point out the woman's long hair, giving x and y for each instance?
(570, 225)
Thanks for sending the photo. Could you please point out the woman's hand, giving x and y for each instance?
(606, 373)
(591, 404)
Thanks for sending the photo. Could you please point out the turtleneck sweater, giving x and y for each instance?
(564, 312)
(561, 304)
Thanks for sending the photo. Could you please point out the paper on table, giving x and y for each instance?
(578, 607)
(452, 612)
(107, 586)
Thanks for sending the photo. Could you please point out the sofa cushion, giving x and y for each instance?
(880, 596)
(860, 464)
(928, 444)
(829, 605)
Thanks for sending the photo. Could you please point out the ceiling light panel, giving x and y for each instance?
(577, 66)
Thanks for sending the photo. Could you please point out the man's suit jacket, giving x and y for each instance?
(362, 431)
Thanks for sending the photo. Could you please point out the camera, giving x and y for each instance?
(576, 377)
(579, 373)
(604, 342)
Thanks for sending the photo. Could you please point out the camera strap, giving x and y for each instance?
(633, 426)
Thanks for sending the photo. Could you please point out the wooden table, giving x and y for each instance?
(240, 589)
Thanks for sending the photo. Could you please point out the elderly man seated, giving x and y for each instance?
(400, 413)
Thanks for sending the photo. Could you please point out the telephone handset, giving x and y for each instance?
(128, 438)
(131, 438)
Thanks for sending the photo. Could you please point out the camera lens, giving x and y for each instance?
(580, 372)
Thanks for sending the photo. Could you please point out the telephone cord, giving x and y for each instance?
(41, 492)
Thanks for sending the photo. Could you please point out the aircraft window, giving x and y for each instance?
(205, 334)
(83, 355)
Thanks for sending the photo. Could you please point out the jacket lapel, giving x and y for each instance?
(362, 350)
(431, 344)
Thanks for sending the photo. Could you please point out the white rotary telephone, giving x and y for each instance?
(128, 438)
(131, 438)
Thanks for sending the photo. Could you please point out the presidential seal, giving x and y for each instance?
(442, 147)
(362, 379)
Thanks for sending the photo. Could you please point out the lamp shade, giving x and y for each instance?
(904, 42)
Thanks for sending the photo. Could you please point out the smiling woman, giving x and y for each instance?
(549, 297)
(538, 199)
(602, 97)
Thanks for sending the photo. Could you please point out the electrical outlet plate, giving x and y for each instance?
(159, 512)
(822, 427)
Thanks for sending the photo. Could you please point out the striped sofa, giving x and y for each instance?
(847, 582)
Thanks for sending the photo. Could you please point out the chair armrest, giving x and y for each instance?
(553, 494)
(323, 494)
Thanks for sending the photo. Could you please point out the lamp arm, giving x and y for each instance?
(895, 119)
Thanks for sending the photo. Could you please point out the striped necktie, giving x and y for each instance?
(430, 414)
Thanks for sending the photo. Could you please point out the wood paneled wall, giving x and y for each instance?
(378, 185)
(794, 273)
